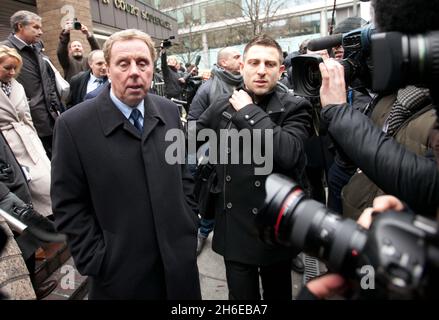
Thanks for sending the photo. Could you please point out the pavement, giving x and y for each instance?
(213, 275)
(73, 286)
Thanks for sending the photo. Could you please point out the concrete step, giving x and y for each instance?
(57, 264)
(15, 282)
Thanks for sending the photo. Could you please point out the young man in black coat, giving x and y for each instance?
(284, 122)
(125, 209)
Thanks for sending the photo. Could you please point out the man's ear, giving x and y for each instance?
(241, 66)
(281, 69)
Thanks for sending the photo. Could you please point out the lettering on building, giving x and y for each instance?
(136, 11)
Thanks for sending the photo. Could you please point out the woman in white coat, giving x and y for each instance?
(19, 131)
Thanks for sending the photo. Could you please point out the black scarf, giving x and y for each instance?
(223, 82)
(408, 101)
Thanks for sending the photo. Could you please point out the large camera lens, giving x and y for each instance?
(288, 218)
(306, 75)
(401, 60)
(307, 78)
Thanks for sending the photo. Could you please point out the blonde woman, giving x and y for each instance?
(19, 131)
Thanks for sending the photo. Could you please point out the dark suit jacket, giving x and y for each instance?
(126, 211)
(78, 88)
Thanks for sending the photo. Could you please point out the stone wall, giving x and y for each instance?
(14, 275)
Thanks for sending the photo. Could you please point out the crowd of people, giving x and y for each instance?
(91, 169)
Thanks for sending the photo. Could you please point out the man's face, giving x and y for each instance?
(76, 49)
(8, 68)
(261, 69)
(98, 65)
(338, 52)
(30, 33)
(130, 70)
(233, 62)
(172, 62)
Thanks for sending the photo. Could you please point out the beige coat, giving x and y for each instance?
(18, 129)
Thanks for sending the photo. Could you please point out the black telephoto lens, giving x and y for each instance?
(288, 218)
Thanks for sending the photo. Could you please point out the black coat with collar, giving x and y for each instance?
(242, 192)
(39, 85)
(78, 88)
(125, 210)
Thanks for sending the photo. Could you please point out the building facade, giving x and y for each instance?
(102, 17)
(205, 26)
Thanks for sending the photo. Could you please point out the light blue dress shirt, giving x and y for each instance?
(126, 110)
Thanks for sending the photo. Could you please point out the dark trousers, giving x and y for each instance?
(243, 281)
(338, 177)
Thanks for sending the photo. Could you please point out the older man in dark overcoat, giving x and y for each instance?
(126, 211)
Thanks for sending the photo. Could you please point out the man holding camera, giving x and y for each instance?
(353, 131)
(414, 178)
(71, 56)
(174, 81)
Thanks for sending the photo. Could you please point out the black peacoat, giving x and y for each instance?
(242, 192)
(127, 212)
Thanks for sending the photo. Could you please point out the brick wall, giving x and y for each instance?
(54, 12)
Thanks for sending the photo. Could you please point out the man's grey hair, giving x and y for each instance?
(124, 35)
(24, 18)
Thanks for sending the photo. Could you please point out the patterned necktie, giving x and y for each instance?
(135, 116)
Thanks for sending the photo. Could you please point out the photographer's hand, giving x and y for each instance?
(380, 204)
(333, 89)
(240, 99)
(68, 26)
(85, 31)
(327, 286)
(334, 284)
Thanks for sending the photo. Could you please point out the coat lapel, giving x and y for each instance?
(152, 117)
(111, 117)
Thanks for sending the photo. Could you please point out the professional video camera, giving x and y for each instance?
(167, 43)
(357, 45)
(192, 83)
(400, 60)
(402, 249)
